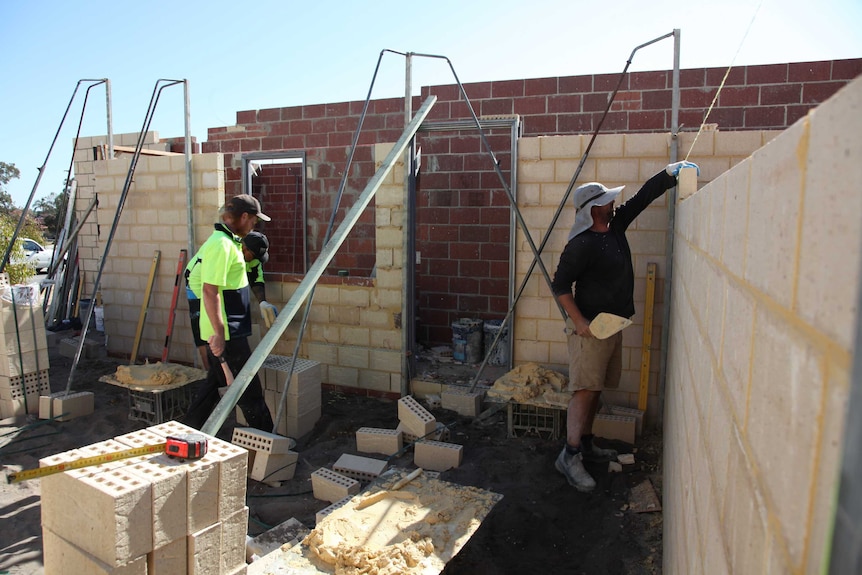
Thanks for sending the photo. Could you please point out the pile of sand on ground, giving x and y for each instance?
(414, 530)
(533, 384)
(157, 374)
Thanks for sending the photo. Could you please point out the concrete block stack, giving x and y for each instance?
(303, 401)
(147, 515)
(23, 350)
(270, 455)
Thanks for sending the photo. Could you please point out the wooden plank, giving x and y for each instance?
(647, 339)
(144, 151)
(145, 306)
(181, 266)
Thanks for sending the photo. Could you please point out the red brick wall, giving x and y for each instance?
(462, 219)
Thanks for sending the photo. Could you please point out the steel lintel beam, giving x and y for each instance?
(254, 363)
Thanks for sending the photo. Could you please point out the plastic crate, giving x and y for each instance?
(544, 422)
(159, 405)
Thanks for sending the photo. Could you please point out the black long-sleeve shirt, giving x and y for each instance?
(601, 263)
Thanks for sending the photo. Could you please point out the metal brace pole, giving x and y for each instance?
(251, 367)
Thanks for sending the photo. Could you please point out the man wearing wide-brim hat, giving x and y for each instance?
(597, 263)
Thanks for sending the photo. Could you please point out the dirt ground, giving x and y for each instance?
(540, 526)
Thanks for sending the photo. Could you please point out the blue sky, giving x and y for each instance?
(270, 53)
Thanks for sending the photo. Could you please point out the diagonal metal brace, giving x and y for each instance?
(254, 363)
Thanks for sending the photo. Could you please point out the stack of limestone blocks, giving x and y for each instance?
(303, 403)
(23, 354)
(270, 455)
(147, 515)
(415, 424)
(338, 484)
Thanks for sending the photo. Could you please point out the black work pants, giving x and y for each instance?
(237, 352)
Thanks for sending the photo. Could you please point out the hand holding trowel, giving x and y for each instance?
(605, 325)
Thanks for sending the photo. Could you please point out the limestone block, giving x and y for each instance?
(273, 466)
(298, 425)
(264, 441)
(306, 375)
(169, 481)
(406, 435)
(169, 559)
(232, 463)
(69, 348)
(328, 485)
(30, 384)
(323, 513)
(777, 178)
(620, 427)
(832, 202)
(203, 494)
(73, 405)
(464, 401)
(60, 557)
(358, 467)
(293, 405)
(425, 387)
(416, 419)
(437, 455)
(29, 338)
(15, 365)
(204, 551)
(686, 183)
(376, 440)
(109, 515)
(140, 438)
(638, 414)
(234, 529)
(284, 535)
(18, 319)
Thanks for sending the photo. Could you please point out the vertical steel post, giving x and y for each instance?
(188, 148)
(408, 254)
(671, 225)
(110, 120)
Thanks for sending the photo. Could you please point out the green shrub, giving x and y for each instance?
(18, 270)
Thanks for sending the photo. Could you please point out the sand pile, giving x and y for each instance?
(414, 530)
(532, 384)
(157, 374)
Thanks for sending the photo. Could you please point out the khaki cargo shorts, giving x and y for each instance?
(595, 364)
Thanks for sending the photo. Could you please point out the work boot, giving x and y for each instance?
(593, 453)
(572, 467)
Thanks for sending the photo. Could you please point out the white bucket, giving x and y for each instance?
(99, 312)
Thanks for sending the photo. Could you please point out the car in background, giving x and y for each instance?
(37, 254)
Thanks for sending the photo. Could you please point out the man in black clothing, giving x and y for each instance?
(597, 261)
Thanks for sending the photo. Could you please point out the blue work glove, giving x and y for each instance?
(673, 169)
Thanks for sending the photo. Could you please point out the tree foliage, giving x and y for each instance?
(8, 172)
(19, 271)
(49, 209)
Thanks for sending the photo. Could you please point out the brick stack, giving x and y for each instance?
(147, 515)
(303, 402)
(23, 351)
(271, 458)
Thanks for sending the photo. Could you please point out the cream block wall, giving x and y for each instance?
(85, 155)
(354, 331)
(546, 166)
(154, 217)
(766, 264)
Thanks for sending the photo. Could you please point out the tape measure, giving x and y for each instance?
(189, 446)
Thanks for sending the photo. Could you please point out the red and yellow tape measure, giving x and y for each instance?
(190, 446)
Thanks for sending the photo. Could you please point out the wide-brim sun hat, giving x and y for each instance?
(587, 196)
